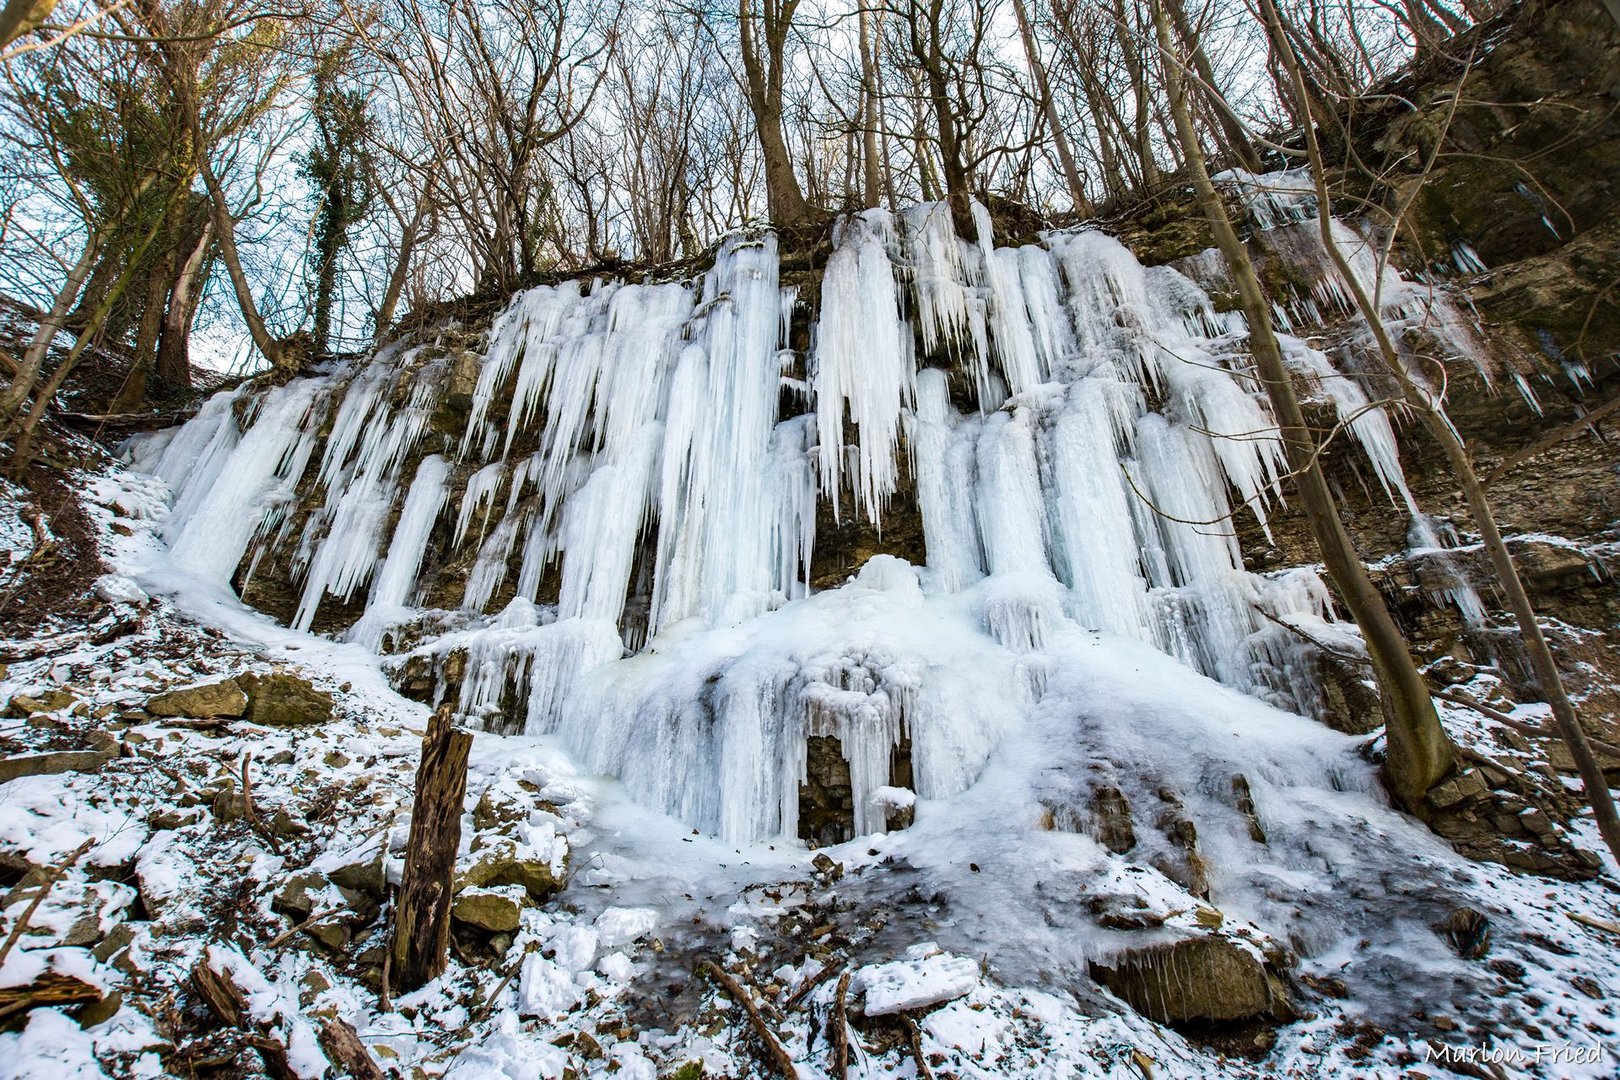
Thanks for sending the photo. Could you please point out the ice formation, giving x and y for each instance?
(631, 490)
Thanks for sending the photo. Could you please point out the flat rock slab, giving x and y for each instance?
(903, 985)
(282, 699)
(61, 761)
(1202, 978)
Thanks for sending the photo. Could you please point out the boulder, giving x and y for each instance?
(294, 900)
(496, 809)
(360, 869)
(501, 863)
(50, 701)
(1212, 978)
(282, 699)
(201, 702)
(492, 910)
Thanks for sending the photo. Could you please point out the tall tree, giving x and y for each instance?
(339, 172)
(1419, 753)
(763, 34)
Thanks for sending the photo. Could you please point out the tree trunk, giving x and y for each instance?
(1060, 141)
(872, 178)
(1142, 128)
(783, 196)
(19, 17)
(1418, 754)
(33, 359)
(383, 318)
(1237, 140)
(1440, 427)
(271, 349)
(422, 912)
(174, 347)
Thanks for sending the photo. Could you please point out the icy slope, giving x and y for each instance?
(983, 914)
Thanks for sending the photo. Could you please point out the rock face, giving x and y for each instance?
(1210, 978)
(203, 701)
(282, 699)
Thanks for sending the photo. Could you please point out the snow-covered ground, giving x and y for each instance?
(976, 915)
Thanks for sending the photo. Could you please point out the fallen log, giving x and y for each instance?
(228, 1004)
(778, 1053)
(49, 989)
(342, 1046)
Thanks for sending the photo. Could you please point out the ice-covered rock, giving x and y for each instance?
(919, 982)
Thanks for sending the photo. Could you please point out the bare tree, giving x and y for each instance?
(1430, 410)
(763, 37)
(1419, 753)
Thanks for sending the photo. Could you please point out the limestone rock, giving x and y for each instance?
(361, 869)
(1465, 785)
(201, 702)
(294, 900)
(282, 699)
(493, 910)
(498, 808)
(50, 764)
(1110, 821)
(501, 863)
(1202, 978)
(50, 701)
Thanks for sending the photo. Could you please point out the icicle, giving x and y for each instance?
(396, 582)
(1423, 540)
(1007, 497)
(1022, 363)
(259, 478)
(863, 362)
(943, 446)
(479, 494)
(950, 314)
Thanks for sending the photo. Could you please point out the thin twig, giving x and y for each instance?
(841, 1029)
(52, 876)
(811, 983)
(249, 812)
(311, 921)
(495, 994)
(915, 1036)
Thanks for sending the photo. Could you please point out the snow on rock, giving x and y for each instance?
(618, 926)
(118, 589)
(927, 978)
(545, 989)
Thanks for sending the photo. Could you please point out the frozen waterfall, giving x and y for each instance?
(622, 482)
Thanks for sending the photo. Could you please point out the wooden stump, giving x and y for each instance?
(343, 1048)
(422, 914)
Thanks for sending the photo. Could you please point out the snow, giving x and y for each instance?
(619, 926)
(903, 985)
